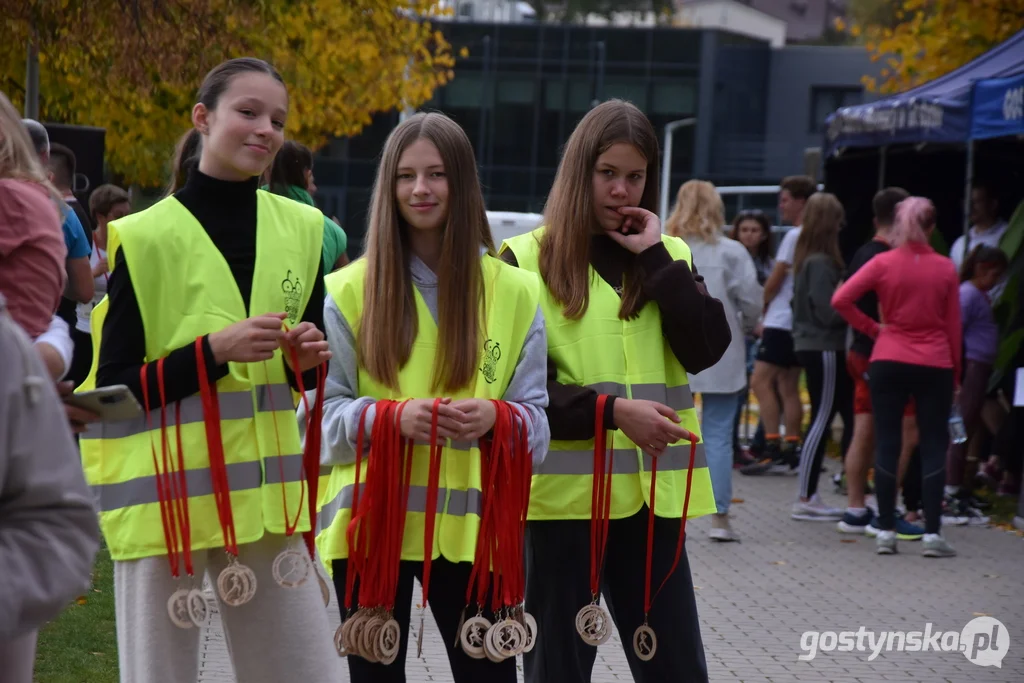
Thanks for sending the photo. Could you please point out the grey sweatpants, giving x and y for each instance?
(282, 634)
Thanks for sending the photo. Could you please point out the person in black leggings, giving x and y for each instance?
(917, 353)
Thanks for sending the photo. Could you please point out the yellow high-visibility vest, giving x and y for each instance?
(508, 309)
(625, 358)
(185, 289)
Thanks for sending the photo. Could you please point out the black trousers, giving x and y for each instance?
(447, 598)
(831, 390)
(558, 585)
(892, 384)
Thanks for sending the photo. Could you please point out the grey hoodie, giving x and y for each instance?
(816, 325)
(49, 532)
(343, 404)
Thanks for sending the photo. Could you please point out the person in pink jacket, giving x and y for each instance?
(917, 353)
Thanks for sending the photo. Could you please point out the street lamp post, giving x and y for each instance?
(666, 166)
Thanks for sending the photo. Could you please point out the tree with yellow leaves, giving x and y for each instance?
(919, 40)
(132, 66)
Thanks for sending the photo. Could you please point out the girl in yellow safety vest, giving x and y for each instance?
(627, 317)
(429, 311)
(212, 320)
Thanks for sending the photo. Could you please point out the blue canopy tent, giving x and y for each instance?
(998, 109)
(937, 111)
(979, 101)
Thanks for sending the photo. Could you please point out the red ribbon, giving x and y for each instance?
(172, 492)
(215, 446)
(506, 466)
(601, 497)
(310, 451)
(355, 550)
(648, 600)
(377, 527)
(433, 478)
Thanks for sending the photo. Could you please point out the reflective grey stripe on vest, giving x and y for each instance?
(460, 503)
(242, 476)
(674, 458)
(677, 458)
(676, 398)
(582, 462)
(280, 395)
(609, 388)
(234, 405)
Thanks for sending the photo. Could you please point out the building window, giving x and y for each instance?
(826, 99)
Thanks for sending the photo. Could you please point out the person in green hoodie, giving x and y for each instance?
(291, 176)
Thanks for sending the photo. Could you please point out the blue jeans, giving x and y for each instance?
(718, 412)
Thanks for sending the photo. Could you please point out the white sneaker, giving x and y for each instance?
(815, 510)
(721, 531)
(885, 543)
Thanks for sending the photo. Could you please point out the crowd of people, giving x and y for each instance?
(512, 425)
(900, 343)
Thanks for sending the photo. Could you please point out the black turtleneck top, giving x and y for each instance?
(227, 211)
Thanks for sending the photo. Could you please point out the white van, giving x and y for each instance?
(506, 224)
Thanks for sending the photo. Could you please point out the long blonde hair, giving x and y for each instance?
(389, 323)
(18, 158)
(698, 214)
(823, 219)
(569, 211)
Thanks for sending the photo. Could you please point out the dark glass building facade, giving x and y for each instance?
(524, 87)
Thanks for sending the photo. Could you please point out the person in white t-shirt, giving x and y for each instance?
(776, 370)
(107, 203)
(986, 226)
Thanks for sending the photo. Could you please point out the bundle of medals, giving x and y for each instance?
(375, 535)
(506, 468)
(236, 583)
(593, 622)
(375, 538)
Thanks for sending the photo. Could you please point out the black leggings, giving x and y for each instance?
(831, 391)
(892, 384)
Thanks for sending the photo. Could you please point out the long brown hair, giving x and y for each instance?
(823, 218)
(389, 323)
(569, 212)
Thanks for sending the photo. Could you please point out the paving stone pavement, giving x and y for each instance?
(757, 597)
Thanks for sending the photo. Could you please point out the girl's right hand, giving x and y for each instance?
(250, 341)
(417, 417)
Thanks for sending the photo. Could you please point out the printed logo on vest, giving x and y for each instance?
(292, 289)
(492, 354)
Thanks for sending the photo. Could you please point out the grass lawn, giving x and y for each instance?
(81, 645)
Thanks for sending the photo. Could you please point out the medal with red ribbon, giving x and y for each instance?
(291, 567)
(645, 641)
(187, 607)
(593, 622)
(236, 583)
(506, 468)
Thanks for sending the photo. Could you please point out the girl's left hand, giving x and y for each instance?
(479, 417)
(310, 345)
(646, 224)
